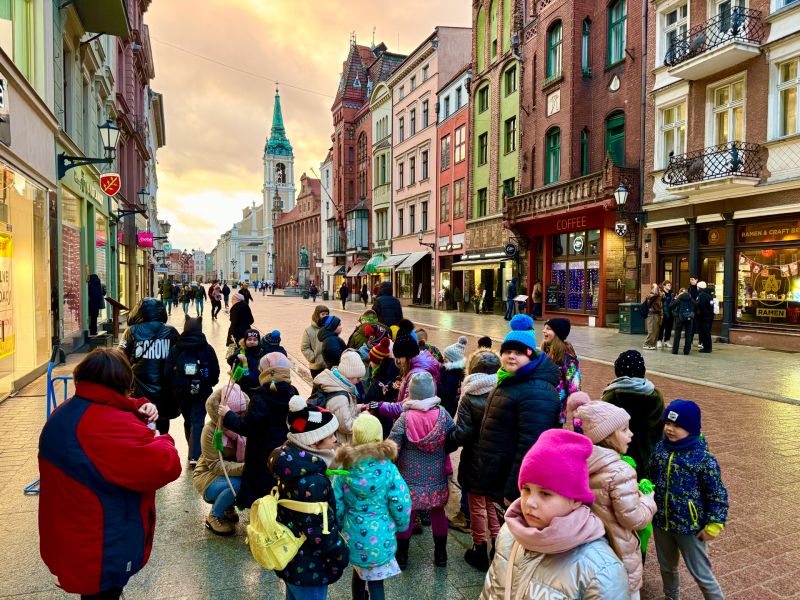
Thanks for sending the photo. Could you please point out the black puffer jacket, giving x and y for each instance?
(147, 343)
(705, 307)
(517, 412)
(241, 321)
(332, 347)
(192, 347)
(682, 303)
(386, 306)
(449, 388)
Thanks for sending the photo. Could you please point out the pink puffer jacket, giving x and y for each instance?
(621, 506)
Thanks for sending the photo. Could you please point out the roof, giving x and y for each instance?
(278, 143)
(363, 68)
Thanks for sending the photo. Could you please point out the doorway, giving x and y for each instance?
(674, 268)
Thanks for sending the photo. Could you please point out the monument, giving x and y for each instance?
(302, 271)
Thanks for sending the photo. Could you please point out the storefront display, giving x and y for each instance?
(769, 286)
(72, 261)
(575, 270)
(404, 284)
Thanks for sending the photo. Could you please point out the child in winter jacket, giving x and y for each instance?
(249, 356)
(561, 352)
(372, 504)
(300, 466)
(209, 474)
(449, 388)
(420, 434)
(691, 498)
(552, 545)
(383, 375)
(617, 500)
(338, 385)
(271, 342)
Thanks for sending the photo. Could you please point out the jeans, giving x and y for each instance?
(193, 410)
(704, 332)
(198, 307)
(220, 496)
(653, 323)
(665, 331)
(226, 301)
(186, 308)
(686, 328)
(481, 510)
(438, 523)
(297, 592)
(509, 309)
(669, 548)
(109, 594)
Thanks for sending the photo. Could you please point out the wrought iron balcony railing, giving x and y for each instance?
(734, 159)
(738, 24)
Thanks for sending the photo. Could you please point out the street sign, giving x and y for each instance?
(110, 183)
(161, 269)
(166, 247)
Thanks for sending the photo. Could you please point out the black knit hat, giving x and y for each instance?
(252, 333)
(560, 327)
(629, 364)
(331, 322)
(406, 344)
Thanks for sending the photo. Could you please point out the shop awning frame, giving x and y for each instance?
(355, 270)
(411, 260)
(466, 264)
(392, 261)
(372, 264)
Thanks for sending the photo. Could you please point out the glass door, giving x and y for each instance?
(674, 268)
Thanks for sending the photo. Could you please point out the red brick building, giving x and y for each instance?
(581, 116)
(296, 228)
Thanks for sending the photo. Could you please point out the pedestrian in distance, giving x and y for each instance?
(271, 342)
(300, 467)
(365, 294)
(511, 293)
(264, 287)
(249, 357)
(654, 307)
(313, 291)
(215, 295)
(337, 392)
(691, 499)
(331, 344)
(226, 292)
(705, 317)
(387, 308)
(373, 504)
(420, 434)
(244, 290)
(537, 299)
(344, 293)
(193, 370)
(97, 454)
(185, 298)
(216, 469)
(452, 375)
(552, 544)
(563, 355)
(200, 296)
(683, 311)
(310, 343)
(273, 288)
(241, 319)
(618, 500)
(166, 296)
(639, 397)
(97, 301)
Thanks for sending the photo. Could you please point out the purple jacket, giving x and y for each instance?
(424, 361)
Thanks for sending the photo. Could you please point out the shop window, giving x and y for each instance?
(575, 270)
(554, 51)
(615, 138)
(552, 165)
(403, 284)
(788, 87)
(769, 286)
(617, 16)
(71, 225)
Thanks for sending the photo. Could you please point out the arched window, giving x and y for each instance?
(584, 152)
(552, 156)
(480, 42)
(615, 137)
(554, 35)
(280, 173)
(506, 25)
(493, 28)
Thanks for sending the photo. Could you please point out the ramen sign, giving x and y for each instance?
(110, 183)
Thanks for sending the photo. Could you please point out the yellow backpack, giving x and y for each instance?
(272, 543)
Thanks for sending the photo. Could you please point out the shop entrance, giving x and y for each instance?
(674, 268)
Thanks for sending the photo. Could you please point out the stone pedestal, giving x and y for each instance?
(302, 278)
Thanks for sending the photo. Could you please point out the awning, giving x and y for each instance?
(478, 262)
(103, 16)
(392, 261)
(372, 264)
(355, 270)
(328, 270)
(411, 260)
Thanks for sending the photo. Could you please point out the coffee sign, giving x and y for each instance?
(780, 231)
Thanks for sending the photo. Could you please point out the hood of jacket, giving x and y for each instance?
(147, 310)
(426, 430)
(191, 340)
(323, 334)
(361, 459)
(636, 385)
(425, 361)
(276, 374)
(385, 289)
(330, 383)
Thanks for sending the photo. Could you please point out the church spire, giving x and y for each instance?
(278, 143)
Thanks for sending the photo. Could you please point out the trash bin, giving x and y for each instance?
(325, 296)
(630, 319)
(306, 295)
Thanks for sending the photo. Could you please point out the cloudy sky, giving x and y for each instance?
(218, 117)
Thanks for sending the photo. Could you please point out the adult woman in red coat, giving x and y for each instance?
(100, 466)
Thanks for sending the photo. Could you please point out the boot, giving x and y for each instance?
(440, 550)
(219, 526)
(230, 515)
(402, 553)
(478, 557)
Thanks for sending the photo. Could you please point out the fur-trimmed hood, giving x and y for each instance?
(276, 374)
(367, 469)
(348, 455)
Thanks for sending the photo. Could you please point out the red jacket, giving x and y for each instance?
(100, 466)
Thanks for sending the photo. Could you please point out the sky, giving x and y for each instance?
(218, 117)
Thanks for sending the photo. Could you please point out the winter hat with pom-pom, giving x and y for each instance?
(406, 344)
(309, 424)
(331, 322)
(558, 462)
(522, 337)
(379, 351)
(595, 420)
(375, 333)
(273, 338)
(367, 429)
(455, 352)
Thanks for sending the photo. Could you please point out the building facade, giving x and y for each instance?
(329, 239)
(299, 227)
(381, 110)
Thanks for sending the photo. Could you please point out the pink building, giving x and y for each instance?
(414, 145)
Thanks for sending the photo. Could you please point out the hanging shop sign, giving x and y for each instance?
(6, 308)
(144, 239)
(110, 183)
(166, 247)
(577, 244)
(780, 231)
(510, 250)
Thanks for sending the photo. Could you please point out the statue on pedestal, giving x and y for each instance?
(303, 257)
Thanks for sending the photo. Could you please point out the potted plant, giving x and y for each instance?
(459, 299)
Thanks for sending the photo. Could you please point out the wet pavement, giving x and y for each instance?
(756, 441)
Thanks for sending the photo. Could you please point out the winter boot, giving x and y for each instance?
(478, 557)
(219, 526)
(230, 515)
(440, 550)
(402, 553)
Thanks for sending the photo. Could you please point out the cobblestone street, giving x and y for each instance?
(757, 442)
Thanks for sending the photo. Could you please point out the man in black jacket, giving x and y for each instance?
(147, 343)
(683, 312)
(705, 317)
(386, 306)
(344, 293)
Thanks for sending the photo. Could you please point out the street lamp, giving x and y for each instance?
(420, 235)
(109, 135)
(621, 195)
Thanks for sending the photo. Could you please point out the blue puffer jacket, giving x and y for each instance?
(372, 502)
(689, 489)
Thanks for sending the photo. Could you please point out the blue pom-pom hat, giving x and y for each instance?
(522, 337)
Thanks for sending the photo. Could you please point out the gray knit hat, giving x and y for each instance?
(421, 386)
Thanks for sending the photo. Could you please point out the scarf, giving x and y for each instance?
(478, 384)
(326, 455)
(686, 443)
(423, 405)
(235, 441)
(635, 385)
(340, 377)
(579, 527)
(502, 374)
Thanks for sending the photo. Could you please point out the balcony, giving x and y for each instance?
(732, 165)
(724, 41)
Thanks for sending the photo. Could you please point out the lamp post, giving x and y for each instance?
(420, 235)
(109, 134)
(621, 195)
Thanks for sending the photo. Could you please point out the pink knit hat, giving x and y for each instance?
(596, 420)
(557, 462)
(274, 360)
(237, 399)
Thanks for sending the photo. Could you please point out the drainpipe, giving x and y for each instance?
(642, 127)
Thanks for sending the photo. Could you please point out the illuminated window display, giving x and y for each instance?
(575, 270)
(769, 286)
(73, 280)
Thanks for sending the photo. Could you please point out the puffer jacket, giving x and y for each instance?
(449, 388)
(343, 403)
(331, 347)
(518, 410)
(589, 572)
(147, 343)
(241, 320)
(386, 306)
(684, 301)
(311, 347)
(372, 502)
(689, 489)
(570, 379)
(323, 558)
(359, 337)
(622, 507)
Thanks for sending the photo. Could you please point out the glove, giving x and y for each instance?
(373, 406)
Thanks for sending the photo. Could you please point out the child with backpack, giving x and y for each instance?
(271, 342)
(193, 369)
(420, 434)
(249, 356)
(300, 467)
(452, 374)
(372, 504)
(336, 390)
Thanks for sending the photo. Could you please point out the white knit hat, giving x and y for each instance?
(351, 365)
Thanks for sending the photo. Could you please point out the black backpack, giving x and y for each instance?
(686, 311)
(319, 398)
(190, 374)
(644, 309)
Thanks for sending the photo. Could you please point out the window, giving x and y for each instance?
(425, 73)
(445, 153)
(412, 170)
(351, 190)
(676, 23)
(729, 113)
(510, 81)
(424, 165)
(458, 98)
(509, 187)
(280, 171)
(585, 68)
(554, 51)
(412, 121)
(254, 270)
(575, 270)
(402, 92)
(552, 164)
(615, 138)
(493, 27)
(401, 128)
(480, 204)
(425, 216)
(480, 34)
(483, 99)
(446, 107)
(400, 177)
(350, 155)
(413, 84)
(510, 135)
(483, 148)
(788, 86)
(383, 173)
(412, 218)
(444, 204)
(617, 15)
(673, 132)
(18, 37)
(254, 258)
(424, 113)
(584, 152)
(727, 8)
(458, 198)
(400, 221)
(461, 144)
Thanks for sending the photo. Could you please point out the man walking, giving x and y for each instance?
(511, 293)
(226, 293)
(344, 292)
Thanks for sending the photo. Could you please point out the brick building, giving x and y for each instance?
(296, 228)
(580, 135)
(722, 153)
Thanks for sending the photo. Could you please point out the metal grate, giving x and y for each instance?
(734, 159)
